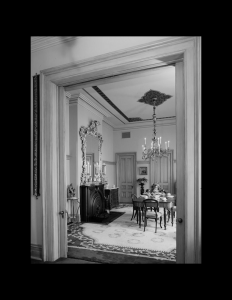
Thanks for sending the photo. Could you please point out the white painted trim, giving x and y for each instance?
(108, 123)
(108, 65)
(118, 54)
(143, 162)
(146, 124)
(43, 42)
(36, 252)
(109, 162)
(91, 105)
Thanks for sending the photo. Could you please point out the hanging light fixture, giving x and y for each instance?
(154, 98)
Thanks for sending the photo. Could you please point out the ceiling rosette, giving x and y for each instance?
(150, 96)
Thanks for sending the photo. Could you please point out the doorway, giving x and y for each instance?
(126, 175)
(188, 134)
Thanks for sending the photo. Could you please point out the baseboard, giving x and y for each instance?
(36, 252)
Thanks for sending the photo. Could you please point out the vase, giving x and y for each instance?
(142, 188)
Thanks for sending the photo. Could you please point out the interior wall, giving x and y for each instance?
(135, 142)
(76, 50)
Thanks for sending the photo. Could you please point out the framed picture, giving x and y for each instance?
(142, 170)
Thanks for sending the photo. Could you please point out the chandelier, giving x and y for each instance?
(155, 149)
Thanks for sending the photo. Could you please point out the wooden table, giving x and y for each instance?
(138, 203)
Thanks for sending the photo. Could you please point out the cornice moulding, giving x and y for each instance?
(74, 99)
(43, 42)
(146, 124)
(108, 123)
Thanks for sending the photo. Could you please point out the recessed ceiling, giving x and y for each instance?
(120, 98)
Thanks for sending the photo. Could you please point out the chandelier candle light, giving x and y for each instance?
(155, 149)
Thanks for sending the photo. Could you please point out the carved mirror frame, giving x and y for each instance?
(90, 130)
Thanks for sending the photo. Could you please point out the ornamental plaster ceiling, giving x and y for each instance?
(121, 98)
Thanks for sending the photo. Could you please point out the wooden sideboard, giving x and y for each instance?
(92, 202)
(111, 198)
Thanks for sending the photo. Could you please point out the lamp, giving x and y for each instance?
(155, 149)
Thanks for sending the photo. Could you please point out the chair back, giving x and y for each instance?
(133, 198)
(151, 203)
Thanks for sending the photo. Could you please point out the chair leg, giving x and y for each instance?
(160, 222)
(137, 214)
(156, 224)
(168, 213)
(133, 216)
(144, 222)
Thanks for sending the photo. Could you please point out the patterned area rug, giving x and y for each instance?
(124, 236)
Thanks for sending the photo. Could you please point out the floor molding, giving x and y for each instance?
(36, 252)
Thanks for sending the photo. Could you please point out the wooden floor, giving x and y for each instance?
(64, 261)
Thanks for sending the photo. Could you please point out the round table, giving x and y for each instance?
(168, 204)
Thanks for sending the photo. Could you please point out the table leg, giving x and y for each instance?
(164, 218)
(139, 217)
(73, 209)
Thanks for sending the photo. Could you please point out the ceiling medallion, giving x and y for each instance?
(150, 96)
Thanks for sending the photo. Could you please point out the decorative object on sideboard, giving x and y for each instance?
(70, 191)
(154, 98)
(141, 182)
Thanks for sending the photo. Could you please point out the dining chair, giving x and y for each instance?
(133, 198)
(155, 214)
(173, 208)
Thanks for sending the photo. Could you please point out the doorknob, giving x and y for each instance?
(61, 213)
(179, 220)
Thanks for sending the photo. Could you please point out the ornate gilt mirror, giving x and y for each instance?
(91, 146)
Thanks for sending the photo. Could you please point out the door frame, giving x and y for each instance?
(52, 125)
(117, 156)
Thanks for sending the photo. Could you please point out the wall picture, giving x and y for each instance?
(142, 170)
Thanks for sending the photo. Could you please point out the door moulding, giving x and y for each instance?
(52, 146)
